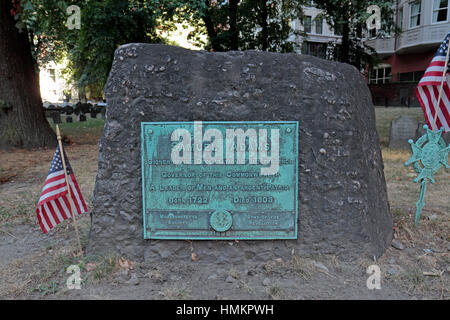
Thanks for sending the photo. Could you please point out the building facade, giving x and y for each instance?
(424, 25)
(319, 33)
(54, 88)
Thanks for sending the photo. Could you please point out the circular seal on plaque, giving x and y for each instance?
(221, 220)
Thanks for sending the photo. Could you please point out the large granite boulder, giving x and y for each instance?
(343, 205)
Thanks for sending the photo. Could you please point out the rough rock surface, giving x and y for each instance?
(343, 206)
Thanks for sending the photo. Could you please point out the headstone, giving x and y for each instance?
(67, 110)
(402, 129)
(342, 200)
(77, 108)
(85, 107)
(69, 119)
(103, 112)
(56, 116)
(82, 117)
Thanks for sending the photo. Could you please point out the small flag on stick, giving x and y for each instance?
(54, 204)
(433, 90)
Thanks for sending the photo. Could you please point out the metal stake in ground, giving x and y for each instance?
(72, 211)
(430, 153)
(430, 150)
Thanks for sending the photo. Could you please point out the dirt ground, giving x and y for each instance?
(33, 265)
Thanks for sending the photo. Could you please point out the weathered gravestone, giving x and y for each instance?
(402, 129)
(56, 116)
(103, 112)
(343, 207)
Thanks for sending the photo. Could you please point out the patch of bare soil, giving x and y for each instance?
(33, 265)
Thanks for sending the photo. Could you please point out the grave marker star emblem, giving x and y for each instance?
(430, 153)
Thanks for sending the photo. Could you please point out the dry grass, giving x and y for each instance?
(303, 267)
(42, 271)
(175, 293)
(403, 192)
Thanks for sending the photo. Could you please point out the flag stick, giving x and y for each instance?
(438, 107)
(58, 134)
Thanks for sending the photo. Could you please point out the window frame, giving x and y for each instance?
(310, 24)
(381, 80)
(316, 23)
(400, 21)
(433, 10)
(419, 14)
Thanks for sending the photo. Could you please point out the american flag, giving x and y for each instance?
(428, 88)
(54, 206)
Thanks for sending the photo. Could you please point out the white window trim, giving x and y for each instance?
(401, 10)
(310, 26)
(381, 80)
(432, 13)
(315, 26)
(420, 14)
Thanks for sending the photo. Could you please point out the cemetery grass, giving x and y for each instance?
(33, 265)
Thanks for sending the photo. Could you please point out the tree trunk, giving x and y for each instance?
(234, 34)
(264, 26)
(345, 45)
(22, 117)
(210, 28)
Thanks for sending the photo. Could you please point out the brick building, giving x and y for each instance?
(424, 25)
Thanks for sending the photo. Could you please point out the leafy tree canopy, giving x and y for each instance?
(105, 25)
(230, 25)
(348, 18)
(252, 24)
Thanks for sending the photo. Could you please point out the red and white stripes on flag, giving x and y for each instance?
(54, 206)
(428, 88)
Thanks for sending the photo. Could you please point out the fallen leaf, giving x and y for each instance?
(194, 256)
(125, 264)
(90, 267)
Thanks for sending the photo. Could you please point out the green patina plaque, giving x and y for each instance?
(220, 180)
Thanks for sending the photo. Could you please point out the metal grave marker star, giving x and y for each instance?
(430, 153)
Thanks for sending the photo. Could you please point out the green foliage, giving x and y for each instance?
(47, 288)
(277, 20)
(348, 18)
(231, 25)
(252, 24)
(105, 25)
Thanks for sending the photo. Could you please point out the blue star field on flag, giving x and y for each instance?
(57, 164)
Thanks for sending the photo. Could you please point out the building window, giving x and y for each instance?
(400, 18)
(307, 24)
(380, 74)
(316, 49)
(414, 18)
(411, 76)
(319, 24)
(52, 74)
(293, 24)
(440, 8)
